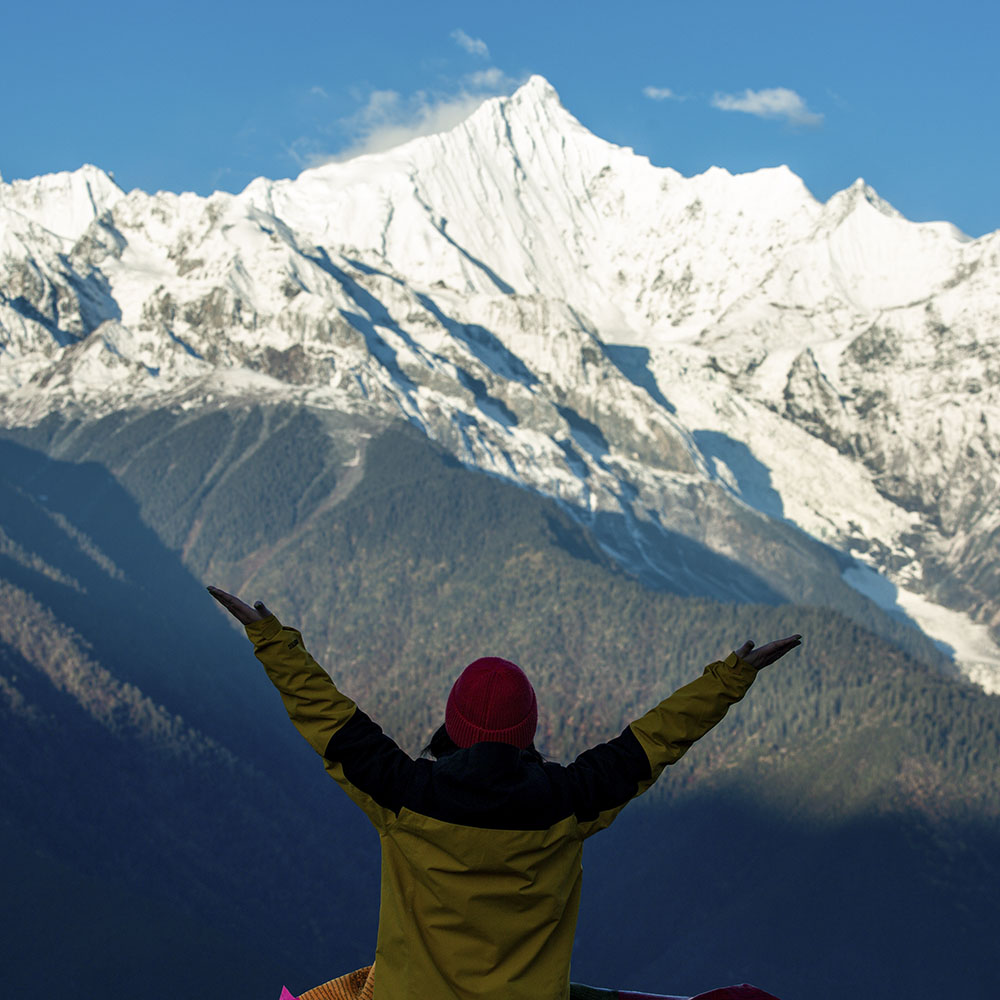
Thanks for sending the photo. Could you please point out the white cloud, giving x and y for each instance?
(475, 46)
(388, 120)
(486, 79)
(778, 102)
(661, 94)
(381, 106)
(490, 81)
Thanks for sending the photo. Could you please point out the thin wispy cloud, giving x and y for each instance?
(493, 79)
(777, 102)
(661, 94)
(387, 118)
(475, 46)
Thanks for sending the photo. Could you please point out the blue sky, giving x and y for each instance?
(200, 96)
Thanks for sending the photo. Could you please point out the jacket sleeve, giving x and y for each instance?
(661, 737)
(668, 731)
(365, 762)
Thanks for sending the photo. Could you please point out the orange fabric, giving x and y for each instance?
(358, 985)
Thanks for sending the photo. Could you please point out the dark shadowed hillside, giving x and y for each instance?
(148, 778)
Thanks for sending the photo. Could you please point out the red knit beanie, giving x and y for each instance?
(492, 701)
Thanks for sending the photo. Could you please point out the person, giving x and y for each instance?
(482, 847)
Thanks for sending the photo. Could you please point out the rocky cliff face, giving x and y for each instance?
(708, 370)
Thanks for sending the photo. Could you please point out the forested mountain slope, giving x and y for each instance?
(842, 825)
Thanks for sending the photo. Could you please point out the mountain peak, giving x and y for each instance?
(535, 103)
(537, 88)
(64, 203)
(860, 193)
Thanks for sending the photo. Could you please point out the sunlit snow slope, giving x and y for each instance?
(745, 392)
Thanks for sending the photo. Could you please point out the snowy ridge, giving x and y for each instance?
(65, 204)
(730, 381)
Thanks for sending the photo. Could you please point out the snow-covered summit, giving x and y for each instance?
(64, 203)
(692, 365)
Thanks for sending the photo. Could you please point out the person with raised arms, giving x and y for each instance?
(482, 844)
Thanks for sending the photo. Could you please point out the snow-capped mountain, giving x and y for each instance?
(746, 392)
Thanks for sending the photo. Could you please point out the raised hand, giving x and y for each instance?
(764, 655)
(243, 613)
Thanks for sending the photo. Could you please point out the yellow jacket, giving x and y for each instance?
(482, 849)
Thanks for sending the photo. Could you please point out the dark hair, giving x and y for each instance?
(441, 744)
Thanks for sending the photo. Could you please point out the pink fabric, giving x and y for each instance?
(744, 992)
(649, 996)
(285, 995)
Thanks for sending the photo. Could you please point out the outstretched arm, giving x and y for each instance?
(356, 753)
(311, 699)
(667, 731)
(606, 777)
